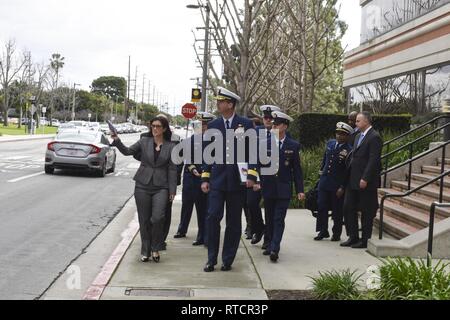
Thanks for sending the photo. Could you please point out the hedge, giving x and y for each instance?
(313, 128)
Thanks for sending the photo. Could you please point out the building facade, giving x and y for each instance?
(403, 62)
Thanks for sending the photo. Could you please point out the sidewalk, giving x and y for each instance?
(11, 138)
(180, 274)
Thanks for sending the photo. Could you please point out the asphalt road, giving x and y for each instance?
(47, 220)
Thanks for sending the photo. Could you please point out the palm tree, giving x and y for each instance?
(56, 63)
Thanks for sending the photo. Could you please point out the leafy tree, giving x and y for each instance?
(112, 87)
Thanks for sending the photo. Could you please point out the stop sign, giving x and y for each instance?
(189, 111)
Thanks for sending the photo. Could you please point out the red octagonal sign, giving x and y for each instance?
(189, 111)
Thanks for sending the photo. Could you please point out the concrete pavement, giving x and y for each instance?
(180, 274)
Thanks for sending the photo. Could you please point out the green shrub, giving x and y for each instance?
(313, 128)
(406, 279)
(336, 285)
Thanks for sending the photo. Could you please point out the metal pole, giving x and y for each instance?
(205, 61)
(127, 103)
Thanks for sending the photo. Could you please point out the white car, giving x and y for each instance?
(80, 149)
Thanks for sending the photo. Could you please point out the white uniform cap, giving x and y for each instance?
(344, 127)
(205, 116)
(281, 115)
(269, 108)
(224, 94)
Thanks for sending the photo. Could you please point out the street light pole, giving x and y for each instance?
(73, 104)
(205, 55)
(205, 62)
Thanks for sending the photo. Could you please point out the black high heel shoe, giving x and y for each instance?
(156, 257)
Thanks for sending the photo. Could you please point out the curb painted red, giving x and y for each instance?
(96, 289)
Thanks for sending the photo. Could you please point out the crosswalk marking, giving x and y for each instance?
(26, 177)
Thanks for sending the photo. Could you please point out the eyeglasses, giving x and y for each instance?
(156, 126)
(268, 118)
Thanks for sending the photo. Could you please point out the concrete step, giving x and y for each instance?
(410, 216)
(416, 203)
(394, 227)
(434, 170)
(421, 178)
(431, 191)
(446, 161)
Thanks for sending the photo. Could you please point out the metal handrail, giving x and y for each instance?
(443, 116)
(409, 145)
(431, 228)
(415, 141)
(409, 192)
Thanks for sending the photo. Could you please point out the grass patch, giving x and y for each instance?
(12, 130)
(336, 285)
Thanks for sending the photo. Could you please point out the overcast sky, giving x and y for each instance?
(97, 36)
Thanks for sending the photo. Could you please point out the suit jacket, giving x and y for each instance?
(279, 186)
(333, 166)
(226, 177)
(163, 172)
(365, 161)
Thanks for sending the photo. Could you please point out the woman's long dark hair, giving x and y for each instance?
(165, 123)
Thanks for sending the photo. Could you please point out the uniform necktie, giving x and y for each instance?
(228, 124)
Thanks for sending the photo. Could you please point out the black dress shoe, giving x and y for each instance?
(225, 268)
(265, 245)
(266, 252)
(248, 236)
(273, 256)
(335, 238)
(197, 243)
(208, 268)
(349, 242)
(256, 238)
(179, 235)
(360, 245)
(156, 257)
(322, 235)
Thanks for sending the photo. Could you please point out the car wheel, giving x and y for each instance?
(102, 172)
(113, 168)
(49, 170)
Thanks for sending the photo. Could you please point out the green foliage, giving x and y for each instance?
(404, 154)
(406, 279)
(311, 129)
(112, 87)
(336, 285)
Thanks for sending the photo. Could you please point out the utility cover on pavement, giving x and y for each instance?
(142, 292)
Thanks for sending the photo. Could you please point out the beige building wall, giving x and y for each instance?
(418, 44)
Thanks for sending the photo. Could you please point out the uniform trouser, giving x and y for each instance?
(247, 214)
(367, 202)
(151, 206)
(253, 202)
(276, 210)
(190, 197)
(233, 201)
(328, 200)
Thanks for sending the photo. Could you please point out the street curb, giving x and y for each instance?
(26, 139)
(97, 287)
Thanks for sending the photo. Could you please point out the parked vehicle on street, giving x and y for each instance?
(105, 128)
(80, 149)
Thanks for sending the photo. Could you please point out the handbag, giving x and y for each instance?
(311, 198)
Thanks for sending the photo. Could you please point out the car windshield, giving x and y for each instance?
(84, 137)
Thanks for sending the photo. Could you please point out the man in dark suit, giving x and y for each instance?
(363, 181)
(223, 184)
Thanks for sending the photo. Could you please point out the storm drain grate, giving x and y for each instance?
(141, 292)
